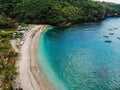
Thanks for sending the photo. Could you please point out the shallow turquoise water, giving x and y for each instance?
(77, 58)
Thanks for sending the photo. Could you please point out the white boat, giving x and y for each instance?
(21, 43)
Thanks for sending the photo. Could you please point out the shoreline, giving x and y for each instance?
(36, 71)
(31, 77)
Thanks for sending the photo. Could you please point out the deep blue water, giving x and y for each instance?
(78, 58)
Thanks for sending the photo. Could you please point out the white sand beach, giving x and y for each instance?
(29, 76)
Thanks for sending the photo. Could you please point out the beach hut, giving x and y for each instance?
(14, 35)
(20, 27)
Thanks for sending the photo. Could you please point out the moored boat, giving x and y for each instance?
(106, 36)
(109, 29)
(118, 38)
(108, 41)
(111, 33)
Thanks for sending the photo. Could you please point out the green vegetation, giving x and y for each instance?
(7, 60)
(6, 22)
(57, 12)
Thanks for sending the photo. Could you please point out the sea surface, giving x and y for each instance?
(79, 58)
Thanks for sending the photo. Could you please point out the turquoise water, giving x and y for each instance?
(78, 58)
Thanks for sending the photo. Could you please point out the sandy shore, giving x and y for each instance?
(30, 77)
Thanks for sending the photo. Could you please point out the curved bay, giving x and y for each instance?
(78, 58)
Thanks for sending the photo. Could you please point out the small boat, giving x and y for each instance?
(115, 28)
(108, 41)
(109, 29)
(106, 36)
(118, 38)
(111, 33)
(21, 43)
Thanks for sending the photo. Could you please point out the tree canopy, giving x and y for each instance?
(57, 12)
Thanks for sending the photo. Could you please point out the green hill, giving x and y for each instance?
(57, 12)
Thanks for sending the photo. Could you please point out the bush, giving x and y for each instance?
(6, 22)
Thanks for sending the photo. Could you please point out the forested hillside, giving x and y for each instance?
(57, 12)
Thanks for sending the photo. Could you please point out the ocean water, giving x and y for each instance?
(78, 58)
